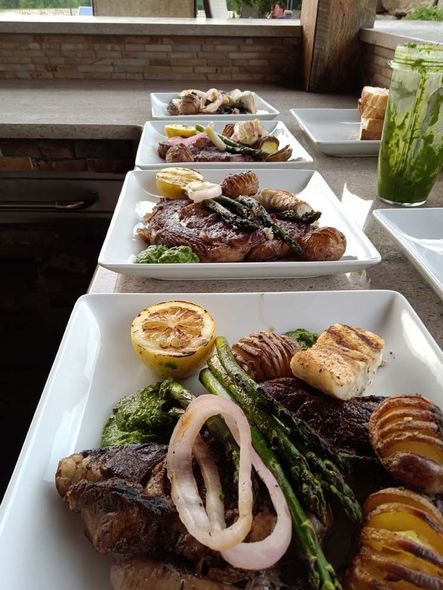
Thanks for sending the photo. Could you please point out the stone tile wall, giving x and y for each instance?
(139, 57)
(375, 66)
(22, 155)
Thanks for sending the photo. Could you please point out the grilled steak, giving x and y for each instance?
(208, 155)
(343, 425)
(183, 223)
(146, 574)
(133, 462)
(119, 518)
(135, 518)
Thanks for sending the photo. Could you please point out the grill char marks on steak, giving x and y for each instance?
(120, 519)
(133, 462)
(343, 425)
(183, 223)
(144, 574)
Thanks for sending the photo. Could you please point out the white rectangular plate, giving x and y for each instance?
(120, 246)
(153, 133)
(335, 132)
(160, 100)
(419, 233)
(42, 544)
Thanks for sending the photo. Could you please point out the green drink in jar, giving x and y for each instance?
(411, 150)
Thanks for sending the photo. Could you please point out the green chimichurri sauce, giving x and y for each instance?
(411, 151)
(147, 415)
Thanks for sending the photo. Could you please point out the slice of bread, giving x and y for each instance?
(372, 107)
(371, 128)
(373, 101)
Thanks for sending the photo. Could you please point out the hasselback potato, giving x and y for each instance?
(324, 243)
(401, 544)
(265, 355)
(244, 183)
(406, 433)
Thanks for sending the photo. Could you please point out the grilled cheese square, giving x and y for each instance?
(341, 363)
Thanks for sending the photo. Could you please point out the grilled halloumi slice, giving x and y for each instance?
(341, 363)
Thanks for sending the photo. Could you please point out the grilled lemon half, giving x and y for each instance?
(173, 338)
(171, 182)
(176, 129)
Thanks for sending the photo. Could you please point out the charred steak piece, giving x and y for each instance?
(144, 574)
(343, 425)
(119, 518)
(133, 462)
(183, 223)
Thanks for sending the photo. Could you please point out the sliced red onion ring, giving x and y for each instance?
(184, 491)
(209, 526)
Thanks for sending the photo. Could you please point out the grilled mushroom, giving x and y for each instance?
(282, 155)
(189, 105)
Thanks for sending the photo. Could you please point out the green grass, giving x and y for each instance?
(426, 13)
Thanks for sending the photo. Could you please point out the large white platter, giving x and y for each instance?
(120, 246)
(160, 100)
(419, 233)
(335, 132)
(153, 133)
(41, 543)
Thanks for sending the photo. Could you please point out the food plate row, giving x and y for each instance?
(120, 246)
(41, 542)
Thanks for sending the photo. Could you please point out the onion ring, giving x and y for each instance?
(209, 526)
(184, 490)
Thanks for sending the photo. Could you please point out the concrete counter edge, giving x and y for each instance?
(150, 26)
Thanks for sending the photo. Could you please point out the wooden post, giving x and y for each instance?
(330, 42)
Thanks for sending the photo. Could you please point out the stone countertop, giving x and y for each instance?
(389, 33)
(118, 110)
(106, 25)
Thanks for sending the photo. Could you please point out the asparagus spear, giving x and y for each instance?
(267, 407)
(234, 147)
(301, 475)
(322, 575)
(230, 217)
(267, 221)
(288, 215)
(216, 425)
(334, 485)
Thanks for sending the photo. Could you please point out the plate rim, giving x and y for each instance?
(121, 267)
(382, 216)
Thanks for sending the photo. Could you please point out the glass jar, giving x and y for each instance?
(411, 150)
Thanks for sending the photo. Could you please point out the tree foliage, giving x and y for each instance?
(426, 13)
